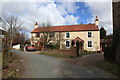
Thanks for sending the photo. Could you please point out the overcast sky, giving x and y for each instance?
(59, 13)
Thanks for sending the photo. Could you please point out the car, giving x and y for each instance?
(31, 48)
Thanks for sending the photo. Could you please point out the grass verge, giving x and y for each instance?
(57, 55)
(111, 67)
(86, 53)
(66, 56)
(14, 68)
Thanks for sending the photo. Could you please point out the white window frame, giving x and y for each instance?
(66, 35)
(91, 34)
(91, 44)
(69, 43)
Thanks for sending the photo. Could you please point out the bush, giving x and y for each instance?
(85, 51)
(22, 47)
(52, 46)
(109, 54)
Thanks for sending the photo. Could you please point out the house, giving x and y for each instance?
(86, 35)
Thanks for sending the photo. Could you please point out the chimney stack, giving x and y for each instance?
(36, 25)
(96, 21)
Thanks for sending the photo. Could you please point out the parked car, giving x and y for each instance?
(31, 48)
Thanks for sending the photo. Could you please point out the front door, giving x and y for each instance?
(77, 47)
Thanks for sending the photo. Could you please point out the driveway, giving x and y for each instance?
(42, 66)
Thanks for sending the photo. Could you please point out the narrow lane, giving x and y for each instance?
(41, 66)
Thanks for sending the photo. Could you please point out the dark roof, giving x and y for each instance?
(105, 40)
(81, 27)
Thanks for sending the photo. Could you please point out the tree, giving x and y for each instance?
(50, 37)
(16, 39)
(19, 38)
(102, 33)
(45, 37)
(116, 30)
(110, 36)
(12, 25)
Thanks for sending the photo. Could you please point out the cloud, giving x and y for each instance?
(58, 13)
(104, 12)
(71, 19)
(42, 12)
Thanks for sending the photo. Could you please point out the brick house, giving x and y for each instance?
(88, 35)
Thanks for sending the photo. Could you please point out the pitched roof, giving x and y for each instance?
(78, 39)
(81, 27)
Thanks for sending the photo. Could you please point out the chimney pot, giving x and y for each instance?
(96, 21)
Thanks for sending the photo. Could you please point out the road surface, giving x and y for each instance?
(42, 66)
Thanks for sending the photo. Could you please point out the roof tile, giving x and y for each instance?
(81, 27)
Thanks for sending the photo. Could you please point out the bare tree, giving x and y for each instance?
(12, 25)
(45, 37)
(58, 38)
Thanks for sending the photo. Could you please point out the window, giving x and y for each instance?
(67, 44)
(89, 34)
(52, 34)
(67, 34)
(89, 43)
(37, 34)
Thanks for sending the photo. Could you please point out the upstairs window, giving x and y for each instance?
(89, 43)
(67, 35)
(37, 34)
(89, 34)
(52, 34)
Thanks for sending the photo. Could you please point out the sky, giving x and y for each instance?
(58, 12)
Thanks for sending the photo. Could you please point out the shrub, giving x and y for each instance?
(110, 67)
(52, 46)
(22, 47)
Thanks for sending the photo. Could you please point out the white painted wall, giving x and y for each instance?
(16, 46)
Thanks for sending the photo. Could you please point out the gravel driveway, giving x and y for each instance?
(42, 66)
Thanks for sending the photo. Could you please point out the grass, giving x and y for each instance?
(57, 55)
(111, 67)
(0, 58)
(13, 71)
(86, 53)
(66, 56)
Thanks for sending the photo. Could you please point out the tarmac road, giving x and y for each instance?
(42, 66)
